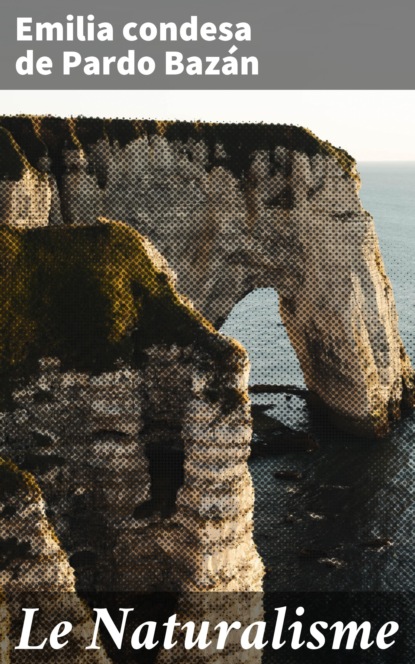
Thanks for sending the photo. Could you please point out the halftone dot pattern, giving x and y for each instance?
(126, 419)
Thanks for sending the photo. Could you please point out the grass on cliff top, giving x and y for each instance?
(240, 141)
(90, 296)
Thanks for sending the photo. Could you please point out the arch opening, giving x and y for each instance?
(256, 323)
(299, 496)
(278, 392)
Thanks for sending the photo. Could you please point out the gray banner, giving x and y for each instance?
(299, 44)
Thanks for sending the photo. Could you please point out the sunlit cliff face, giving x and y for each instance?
(130, 409)
(238, 207)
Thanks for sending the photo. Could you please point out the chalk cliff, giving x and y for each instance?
(131, 411)
(128, 407)
(35, 572)
(233, 208)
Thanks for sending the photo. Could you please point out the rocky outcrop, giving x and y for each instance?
(131, 411)
(238, 207)
(35, 572)
(31, 557)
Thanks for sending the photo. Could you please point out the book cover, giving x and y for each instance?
(206, 332)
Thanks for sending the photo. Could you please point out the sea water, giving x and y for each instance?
(325, 532)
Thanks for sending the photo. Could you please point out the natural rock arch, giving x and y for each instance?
(238, 207)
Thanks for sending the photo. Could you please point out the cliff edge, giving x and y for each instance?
(130, 409)
(234, 208)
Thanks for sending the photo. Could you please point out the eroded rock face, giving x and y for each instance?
(238, 207)
(137, 425)
(35, 572)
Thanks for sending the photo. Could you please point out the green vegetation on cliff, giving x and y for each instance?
(90, 296)
(240, 141)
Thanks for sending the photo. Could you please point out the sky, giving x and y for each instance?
(372, 125)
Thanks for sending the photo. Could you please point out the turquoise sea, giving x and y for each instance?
(355, 494)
